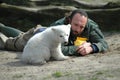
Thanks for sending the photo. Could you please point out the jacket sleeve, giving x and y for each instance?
(97, 38)
(69, 50)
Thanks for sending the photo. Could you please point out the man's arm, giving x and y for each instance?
(69, 50)
(97, 39)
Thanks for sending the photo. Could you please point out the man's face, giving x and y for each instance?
(78, 23)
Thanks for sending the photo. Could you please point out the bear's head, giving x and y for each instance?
(62, 33)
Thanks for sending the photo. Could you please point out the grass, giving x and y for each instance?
(57, 74)
(80, 78)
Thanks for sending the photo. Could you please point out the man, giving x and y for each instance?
(87, 31)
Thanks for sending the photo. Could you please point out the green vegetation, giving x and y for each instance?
(57, 74)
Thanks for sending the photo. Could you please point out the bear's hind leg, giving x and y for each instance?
(38, 62)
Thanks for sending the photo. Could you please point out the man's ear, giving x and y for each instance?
(69, 21)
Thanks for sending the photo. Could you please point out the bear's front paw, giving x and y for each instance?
(63, 58)
(67, 57)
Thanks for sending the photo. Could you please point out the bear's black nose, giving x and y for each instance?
(65, 43)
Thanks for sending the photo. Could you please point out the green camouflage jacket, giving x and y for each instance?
(91, 32)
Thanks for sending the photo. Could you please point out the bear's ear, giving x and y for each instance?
(53, 29)
(69, 25)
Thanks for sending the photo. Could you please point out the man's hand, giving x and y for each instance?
(84, 49)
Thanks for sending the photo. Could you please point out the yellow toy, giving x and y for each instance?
(79, 41)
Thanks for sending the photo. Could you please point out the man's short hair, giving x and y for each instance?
(82, 12)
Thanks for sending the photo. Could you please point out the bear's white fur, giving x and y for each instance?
(46, 44)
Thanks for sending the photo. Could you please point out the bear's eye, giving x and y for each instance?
(61, 36)
(66, 34)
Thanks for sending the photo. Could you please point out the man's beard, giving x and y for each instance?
(75, 33)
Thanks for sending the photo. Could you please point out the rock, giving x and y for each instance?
(45, 12)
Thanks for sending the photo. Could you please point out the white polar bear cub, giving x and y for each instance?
(46, 44)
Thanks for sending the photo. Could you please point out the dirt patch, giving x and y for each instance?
(91, 67)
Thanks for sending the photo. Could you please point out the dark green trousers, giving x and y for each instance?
(9, 31)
